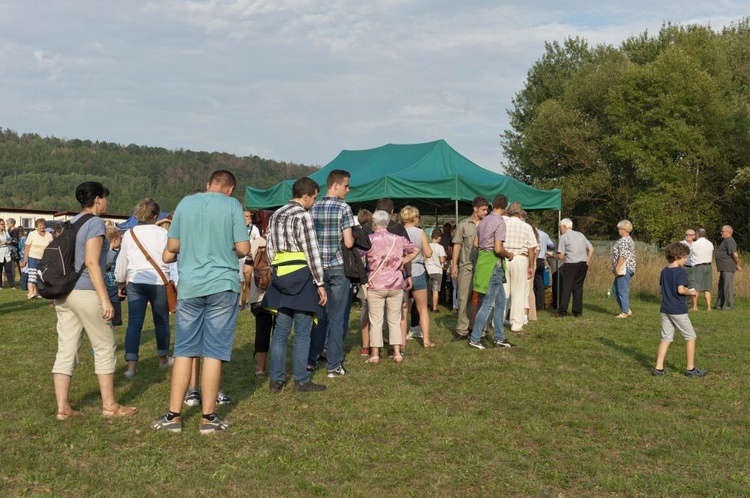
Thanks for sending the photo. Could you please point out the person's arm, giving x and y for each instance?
(532, 263)
(348, 238)
(241, 248)
(684, 291)
(426, 247)
(736, 258)
(590, 254)
(93, 254)
(169, 255)
(619, 264)
(500, 250)
(454, 260)
(410, 256)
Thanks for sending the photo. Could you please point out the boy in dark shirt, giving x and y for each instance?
(674, 314)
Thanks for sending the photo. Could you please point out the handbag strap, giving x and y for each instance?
(149, 258)
(393, 243)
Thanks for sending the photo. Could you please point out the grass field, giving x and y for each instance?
(573, 411)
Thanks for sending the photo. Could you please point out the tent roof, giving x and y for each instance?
(432, 172)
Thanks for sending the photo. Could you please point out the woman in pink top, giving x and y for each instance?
(385, 262)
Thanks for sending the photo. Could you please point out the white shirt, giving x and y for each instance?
(701, 251)
(432, 264)
(132, 266)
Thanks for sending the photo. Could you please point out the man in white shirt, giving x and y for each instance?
(701, 278)
(521, 241)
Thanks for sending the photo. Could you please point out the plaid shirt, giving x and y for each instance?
(291, 229)
(331, 216)
(519, 236)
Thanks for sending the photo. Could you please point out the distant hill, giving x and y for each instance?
(42, 173)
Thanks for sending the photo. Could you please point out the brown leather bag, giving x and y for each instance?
(170, 286)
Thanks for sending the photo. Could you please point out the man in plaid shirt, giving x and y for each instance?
(521, 241)
(333, 225)
(291, 233)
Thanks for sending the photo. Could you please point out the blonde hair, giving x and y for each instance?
(409, 214)
(625, 225)
(146, 209)
(113, 233)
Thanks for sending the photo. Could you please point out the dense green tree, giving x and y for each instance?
(656, 131)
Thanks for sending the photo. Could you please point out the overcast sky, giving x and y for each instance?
(296, 80)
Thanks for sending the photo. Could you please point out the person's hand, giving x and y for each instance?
(109, 311)
(739, 268)
(407, 281)
(23, 264)
(323, 297)
(510, 256)
(530, 273)
(121, 292)
(454, 272)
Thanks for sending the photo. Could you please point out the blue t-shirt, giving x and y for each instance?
(94, 227)
(208, 225)
(673, 303)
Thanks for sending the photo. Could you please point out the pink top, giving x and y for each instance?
(389, 277)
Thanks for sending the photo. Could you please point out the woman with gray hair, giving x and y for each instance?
(385, 262)
(623, 267)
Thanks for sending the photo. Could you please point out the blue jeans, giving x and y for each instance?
(331, 324)
(495, 298)
(622, 291)
(300, 349)
(139, 295)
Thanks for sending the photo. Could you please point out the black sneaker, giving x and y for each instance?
(210, 426)
(308, 387)
(658, 373)
(222, 399)
(460, 337)
(505, 343)
(696, 372)
(275, 386)
(164, 424)
(339, 371)
(193, 398)
(476, 345)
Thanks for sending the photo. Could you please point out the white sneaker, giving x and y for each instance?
(414, 333)
(169, 363)
(525, 320)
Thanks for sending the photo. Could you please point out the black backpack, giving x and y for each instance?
(56, 273)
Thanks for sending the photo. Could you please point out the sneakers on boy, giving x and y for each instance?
(337, 372)
(505, 343)
(163, 423)
(275, 386)
(222, 399)
(696, 372)
(476, 345)
(212, 424)
(193, 398)
(414, 332)
(658, 373)
(308, 387)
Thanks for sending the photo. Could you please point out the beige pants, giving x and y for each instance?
(378, 304)
(517, 290)
(80, 310)
(465, 283)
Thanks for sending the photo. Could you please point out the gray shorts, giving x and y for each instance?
(436, 281)
(679, 322)
(700, 278)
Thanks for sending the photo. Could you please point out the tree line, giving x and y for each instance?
(43, 172)
(656, 130)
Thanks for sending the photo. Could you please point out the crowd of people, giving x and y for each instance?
(320, 258)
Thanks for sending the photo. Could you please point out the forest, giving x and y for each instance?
(43, 172)
(656, 130)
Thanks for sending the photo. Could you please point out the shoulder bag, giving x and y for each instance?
(168, 284)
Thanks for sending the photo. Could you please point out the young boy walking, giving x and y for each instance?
(674, 314)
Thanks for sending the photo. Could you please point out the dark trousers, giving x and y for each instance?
(9, 269)
(725, 296)
(539, 284)
(573, 275)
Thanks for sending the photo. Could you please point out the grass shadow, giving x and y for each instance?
(645, 360)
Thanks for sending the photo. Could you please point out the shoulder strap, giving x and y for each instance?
(149, 258)
(393, 243)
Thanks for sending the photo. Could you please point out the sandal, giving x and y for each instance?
(67, 413)
(260, 373)
(428, 344)
(373, 359)
(622, 315)
(118, 411)
(398, 359)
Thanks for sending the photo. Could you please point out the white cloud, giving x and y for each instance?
(295, 80)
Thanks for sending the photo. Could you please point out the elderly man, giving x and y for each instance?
(521, 241)
(576, 251)
(727, 262)
(701, 254)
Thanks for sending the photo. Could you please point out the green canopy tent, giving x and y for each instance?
(431, 176)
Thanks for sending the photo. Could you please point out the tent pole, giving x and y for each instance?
(456, 213)
(559, 277)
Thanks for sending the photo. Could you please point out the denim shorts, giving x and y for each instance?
(419, 283)
(205, 326)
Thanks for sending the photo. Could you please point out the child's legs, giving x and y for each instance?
(667, 336)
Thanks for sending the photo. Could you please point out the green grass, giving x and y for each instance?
(573, 411)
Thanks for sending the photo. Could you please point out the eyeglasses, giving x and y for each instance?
(689, 235)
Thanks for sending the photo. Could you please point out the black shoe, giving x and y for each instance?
(308, 387)
(275, 386)
(459, 337)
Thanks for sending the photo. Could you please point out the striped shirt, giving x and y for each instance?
(291, 229)
(331, 216)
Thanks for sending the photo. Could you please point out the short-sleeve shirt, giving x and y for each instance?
(724, 260)
(670, 280)
(384, 260)
(208, 225)
(575, 246)
(331, 216)
(432, 264)
(38, 243)
(491, 228)
(93, 228)
(624, 248)
(464, 235)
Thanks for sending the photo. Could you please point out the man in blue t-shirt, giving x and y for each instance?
(208, 232)
(674, 314)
